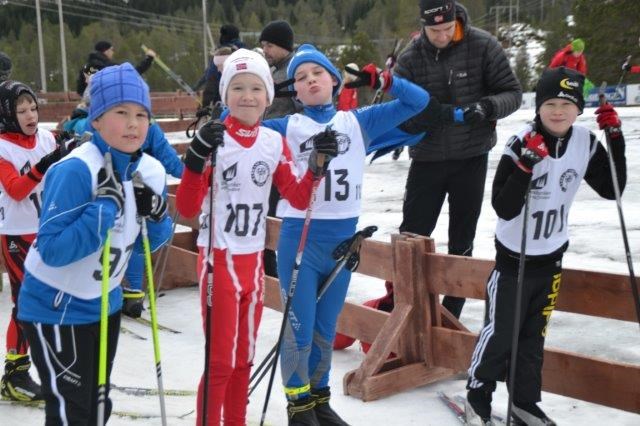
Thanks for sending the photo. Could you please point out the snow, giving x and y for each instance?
(596, 244)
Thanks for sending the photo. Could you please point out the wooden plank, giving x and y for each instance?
(185, 240)
(584, 292)
(180, 125)
(590, 379)
(404, 289)
(376, 260)
(398, 380)
(190, 222)
(181, 268)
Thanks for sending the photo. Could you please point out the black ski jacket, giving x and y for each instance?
(99, 60)
(469, 70)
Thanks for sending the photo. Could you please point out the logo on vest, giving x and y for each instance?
(26, 168)
(260, 173)
(567, 178)
(13, 247)
(540, 182)
(230, 172)
(306, 145)
(344, 142)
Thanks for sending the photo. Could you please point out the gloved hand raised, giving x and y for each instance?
(534, 151)
(148, 203)
(325, 148)
(207, 140)
(109, 184)
(371, 76)
(132, 302)
(48, 160)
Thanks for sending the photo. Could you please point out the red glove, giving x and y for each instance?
(607, 117)
(535, 150)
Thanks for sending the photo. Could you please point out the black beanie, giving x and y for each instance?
(228, 33)
(9, 92)
(278, 33)
(434, 12)
(561, 83)
(102, 45)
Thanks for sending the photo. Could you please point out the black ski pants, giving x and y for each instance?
(462, 182)
(492, 354)
(67, 360)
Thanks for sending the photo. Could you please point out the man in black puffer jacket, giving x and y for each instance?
(467, 74)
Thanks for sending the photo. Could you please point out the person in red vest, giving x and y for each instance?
(571, 56)
(348, 98)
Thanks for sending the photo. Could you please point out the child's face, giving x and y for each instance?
(247, 98)
(558, 115)
(124, 127)
(314, 84)
(27, 115)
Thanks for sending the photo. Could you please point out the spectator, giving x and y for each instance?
(102, 57)
(472, 85)
(348, 98)
(571, 56)
(5, 67)
(276, 40)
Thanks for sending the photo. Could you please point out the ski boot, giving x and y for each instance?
(478, 407)
(17, 384)
(301, 412)
(529, 414)
(324, 413)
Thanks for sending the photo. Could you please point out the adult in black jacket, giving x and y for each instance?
(101, 58)
(471, 84)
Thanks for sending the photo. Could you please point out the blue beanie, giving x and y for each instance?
(116, 85)
(308, 53)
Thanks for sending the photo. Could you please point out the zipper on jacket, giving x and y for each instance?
(450, 76)
(558, 146)
(437, 54)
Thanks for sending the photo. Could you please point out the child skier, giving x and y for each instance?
(85, 197)
(551, 156)
(26, 153)
(307, 345)
(245, 158)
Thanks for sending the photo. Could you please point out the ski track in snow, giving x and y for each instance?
(596, 244)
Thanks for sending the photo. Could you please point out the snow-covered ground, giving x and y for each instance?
(595, 244)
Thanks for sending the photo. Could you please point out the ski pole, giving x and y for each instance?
(350, 257)
(292, 285)
(104, 327)
(262, 365)
(104, 315)
(152, 308)
(623, 227)
(516, 317)
(263, 373)
(165, 255)
(173, 75)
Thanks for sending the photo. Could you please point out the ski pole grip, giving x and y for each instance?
(320, 159)
(145, 49)
(368, 231)
(602, 99)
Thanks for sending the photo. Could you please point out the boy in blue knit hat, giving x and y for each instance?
(87, 194)
(309, 334)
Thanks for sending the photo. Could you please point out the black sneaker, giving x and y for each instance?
(324, 413)
(529, 414)
(17, 384)
(478, 406)
(301, 412)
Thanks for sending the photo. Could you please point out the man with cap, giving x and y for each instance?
(5, 67)
(547, 159)
(571, 56)
(472, 85)
(276, 40)
(102, 57)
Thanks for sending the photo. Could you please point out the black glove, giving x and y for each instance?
(534, 151)
(476, 112)
(132, 302)
(325, 143)
(48, 160)
(148, 203)
(370, 76)
(204, 144)
(281, 90)
(203, 112)
(109, 185)
(63, 136)
(433, 117)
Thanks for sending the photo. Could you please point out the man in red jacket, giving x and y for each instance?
(571, 56)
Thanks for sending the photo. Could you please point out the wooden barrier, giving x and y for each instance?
(429, 342)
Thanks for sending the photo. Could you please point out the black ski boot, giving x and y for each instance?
(17, 384)
(529, 414)
(325, 414)
(478, 406)
(301, 412)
